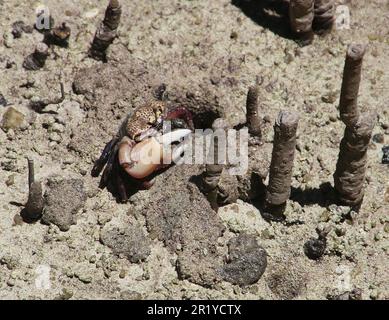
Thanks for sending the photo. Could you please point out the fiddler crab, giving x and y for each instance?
(143, 147)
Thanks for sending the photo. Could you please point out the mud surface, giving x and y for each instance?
(167, 242)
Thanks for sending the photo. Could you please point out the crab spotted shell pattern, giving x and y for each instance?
(144, 118)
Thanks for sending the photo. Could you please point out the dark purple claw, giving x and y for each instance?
(102, 161)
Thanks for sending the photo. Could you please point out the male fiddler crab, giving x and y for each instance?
(142, 135)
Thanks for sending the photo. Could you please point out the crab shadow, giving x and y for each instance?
(123, 187)
(259, 12)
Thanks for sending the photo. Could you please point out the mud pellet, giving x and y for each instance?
(349, 176)
(37, 59)
(301, 14)
(252, 117)
(348, 104)
(19, 27)
(315, 248)
(281, 167)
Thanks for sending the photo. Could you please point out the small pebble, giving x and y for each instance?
(330, 97)
(379, 138)
(288, 58)
(18, 220)
(378, 236)
(11, 282)
(325, 216)
(267, 234)
(130, 295)
(315, 248)
(374, 294)
(12, 119)
(386, 196)
(19, 27)
(267, 119)
(66, 294)
(85, 279)
(3, 101)
(8, 40)
(55, 137)
(122, 274)
(385, 156)
(10, 181)
(9, 64)
(58, 128)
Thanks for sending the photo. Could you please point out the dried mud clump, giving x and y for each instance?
(288, 280)
(63, 199)
(12, 119)
(19, 27)
(183, 219)
(247, 261)
(37, 59)
(315, 248)
(128, 241)
(355, 294)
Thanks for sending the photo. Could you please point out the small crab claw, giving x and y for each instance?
(142, 159)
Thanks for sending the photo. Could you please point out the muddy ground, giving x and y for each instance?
(167, 242)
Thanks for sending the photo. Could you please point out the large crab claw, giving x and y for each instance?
(142, 159)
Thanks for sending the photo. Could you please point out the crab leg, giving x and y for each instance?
(109, 167)
(121, 186)
(101, 162)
